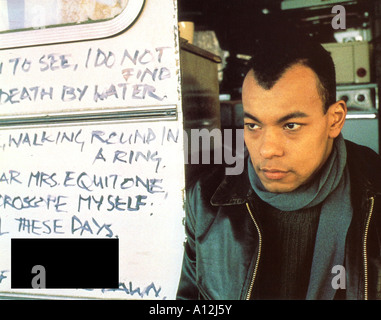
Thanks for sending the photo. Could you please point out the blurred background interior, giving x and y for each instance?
(227, 27)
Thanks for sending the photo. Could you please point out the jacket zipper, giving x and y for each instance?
(258, 255)
(365, 248)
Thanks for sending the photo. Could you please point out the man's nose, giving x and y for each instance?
(271, 145)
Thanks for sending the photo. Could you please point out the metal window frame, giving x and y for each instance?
(73, 32)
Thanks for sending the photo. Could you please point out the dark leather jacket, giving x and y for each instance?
(224, 243)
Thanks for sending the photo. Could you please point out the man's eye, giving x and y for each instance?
(292, 126)
(252, 126)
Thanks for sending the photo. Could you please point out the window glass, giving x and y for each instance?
(35, 14)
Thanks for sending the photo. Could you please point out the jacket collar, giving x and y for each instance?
(365, 169)
(234, 189)
(361, 161)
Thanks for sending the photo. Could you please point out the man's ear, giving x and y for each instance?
(337, 113)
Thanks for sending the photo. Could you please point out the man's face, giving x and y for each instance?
(287, 134)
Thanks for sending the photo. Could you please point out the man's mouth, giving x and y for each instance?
(274, 174)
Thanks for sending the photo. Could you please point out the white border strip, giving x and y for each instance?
(361, 116)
